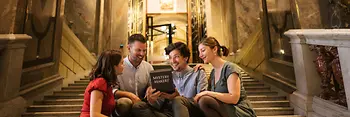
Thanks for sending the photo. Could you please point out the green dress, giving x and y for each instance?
(242, 108)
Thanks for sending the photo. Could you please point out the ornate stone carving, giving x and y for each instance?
(328, 66)
(337, 75)
(323, 69)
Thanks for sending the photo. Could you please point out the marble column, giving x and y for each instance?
(11, 60)
(307, 79)
(307, 13)
(119, 28)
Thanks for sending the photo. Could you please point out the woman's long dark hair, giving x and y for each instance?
(212, 42)
(104, 67)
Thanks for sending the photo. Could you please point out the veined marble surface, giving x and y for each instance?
(308, 12)
(7, 16)
(247, 16)
(327, 37)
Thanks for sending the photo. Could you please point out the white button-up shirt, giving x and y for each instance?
(134, 80)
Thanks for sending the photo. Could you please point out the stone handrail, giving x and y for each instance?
(307, 79)
(12, 47)
(326, 37)
(11, 60)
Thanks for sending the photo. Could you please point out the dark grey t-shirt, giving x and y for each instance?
(221, 85)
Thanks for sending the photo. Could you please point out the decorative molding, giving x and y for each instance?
(41, 66)
(286, 63)
(326, 37)
(283, 81)
(35, 85)
(13, 41)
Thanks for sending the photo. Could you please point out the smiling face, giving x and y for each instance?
(206, 53)
(137, 51)
(177, 61)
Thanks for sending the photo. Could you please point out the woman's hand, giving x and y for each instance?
(199, 95)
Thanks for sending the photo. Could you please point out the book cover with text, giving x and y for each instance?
(162, 80)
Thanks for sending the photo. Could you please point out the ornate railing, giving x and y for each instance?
(327, 62)
(328, 67)
(331, 77)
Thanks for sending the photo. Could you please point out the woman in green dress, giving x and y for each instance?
(226, 96)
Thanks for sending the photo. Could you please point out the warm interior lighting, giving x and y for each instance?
(282, 51)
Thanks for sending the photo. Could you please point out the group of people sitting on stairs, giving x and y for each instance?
(120, 87)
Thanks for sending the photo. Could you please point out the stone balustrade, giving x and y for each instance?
(305, 100)
(12, 47)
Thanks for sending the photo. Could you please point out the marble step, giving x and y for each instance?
(82, 81)
(248, 79)
(74, 87)
(60, 102)
(245, 84)
(262, 104)
(265, 98)
(283, 116)
(274, 111)
(65, 96)
(69, 92)
(52, 114)
(244, 74)
(257, 88)
(55, 108)
(79, 84)
(270, 93)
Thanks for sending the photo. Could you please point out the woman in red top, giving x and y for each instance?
(98, 96)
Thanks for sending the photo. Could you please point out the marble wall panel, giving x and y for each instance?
(119, 25)
(247, 14)
(80, 16)
(7, 16)
(308, 13)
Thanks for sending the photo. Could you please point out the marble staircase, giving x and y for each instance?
(68, 102)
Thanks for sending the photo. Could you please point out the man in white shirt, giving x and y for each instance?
(132, 84)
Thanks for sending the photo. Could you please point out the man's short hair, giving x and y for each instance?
(184, 51)
(136, 37)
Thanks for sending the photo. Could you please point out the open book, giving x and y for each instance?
(162, 80)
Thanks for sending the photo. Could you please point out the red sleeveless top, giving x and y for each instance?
(108, 103)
